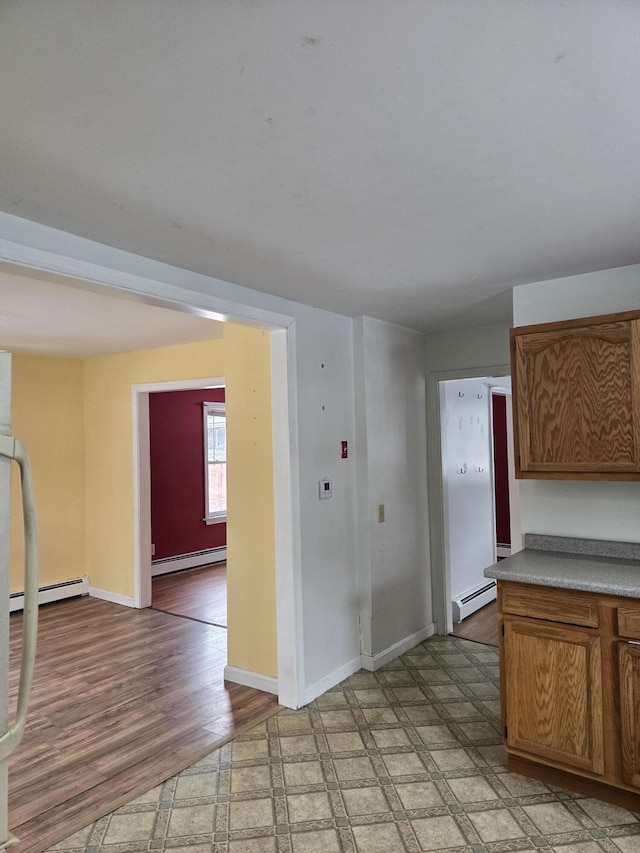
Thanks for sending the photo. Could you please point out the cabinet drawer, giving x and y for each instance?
(629, 622)
(555, 605)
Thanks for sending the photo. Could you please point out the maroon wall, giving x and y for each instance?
(501, 469)
(177, 473)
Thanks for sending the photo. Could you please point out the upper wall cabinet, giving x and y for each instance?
(576, 398)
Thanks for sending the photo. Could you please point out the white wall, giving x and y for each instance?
(595, 510)
(327, 529)
(393, 556)
(467, 463)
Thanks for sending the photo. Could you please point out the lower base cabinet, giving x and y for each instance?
(570, 680)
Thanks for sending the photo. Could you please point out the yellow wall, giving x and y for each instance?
(251, 596)
(76, 419)
(47, 416)
(109, 448)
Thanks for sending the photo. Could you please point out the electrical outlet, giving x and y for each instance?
(380, 513)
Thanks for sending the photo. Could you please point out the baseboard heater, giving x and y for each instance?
(52, 592)
(188, 561)
(468, 604)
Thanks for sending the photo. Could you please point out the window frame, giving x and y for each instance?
(208, 409)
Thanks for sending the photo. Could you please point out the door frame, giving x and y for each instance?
(440, 576)
(143, 287)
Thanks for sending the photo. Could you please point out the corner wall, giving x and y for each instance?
(393, 554)
(590, 509)
(109, 449)
(47, 415)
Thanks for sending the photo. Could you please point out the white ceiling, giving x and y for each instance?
(55, 316)
(410, 160)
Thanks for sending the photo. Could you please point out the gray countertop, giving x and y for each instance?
(593, 573)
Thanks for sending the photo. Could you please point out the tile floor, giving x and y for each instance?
(405, 759)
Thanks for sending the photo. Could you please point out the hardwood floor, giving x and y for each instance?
(481, 626)
(122, 699)
(199, 594)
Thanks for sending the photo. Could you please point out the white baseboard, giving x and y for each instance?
(374, 662)
(314, 690)
(53, 592)
(115, 597)
(247, 678)
(188, 561)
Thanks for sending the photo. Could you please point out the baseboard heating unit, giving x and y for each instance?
(52, 592)
(469, 603)
(188, 561)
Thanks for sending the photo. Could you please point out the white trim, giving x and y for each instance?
(150, 288)
(115, 597)
(212, 409)
(247, 678)
(142, 476)
(188, 561)
(374, 662)
(314, 690)
(55, 592)
(286, 512)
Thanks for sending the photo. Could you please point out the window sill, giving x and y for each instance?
(219, 519)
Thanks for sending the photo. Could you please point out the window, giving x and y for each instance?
(215, 462)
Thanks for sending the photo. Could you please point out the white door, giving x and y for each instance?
(10, 448)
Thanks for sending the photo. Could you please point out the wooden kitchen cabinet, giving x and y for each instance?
(553, 681)
(570, 688)
(576, 398)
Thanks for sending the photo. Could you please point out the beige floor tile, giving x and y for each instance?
(472, 789)
(336, 699)
(337, 719)
(438, 833)
(605, 814)
(379, 716)
(364, 801)
(408, 694)
(495, 756)
(419, 795)
(400, 764)
(152, 796)
(432, 735)
(363, 679)
(522, 786)
(191, 820)
(250, 778)
(250, 845)
(479, 732)
(248, 814)
(628, 844)
(249, 749)
(496, 825)
(424, 712)
(385, 738)
(370, 696)
(130, 827)
(352, 769)
(77, 840)
(344, 742)
(297, 722)
(446, 691)
(307, 807)
(399, 676)
(579, 847)
(552, 818)
(298, 745)
(318, 841)
(196, 785)
(452, 759)
(303, 773)
(462, 710)
(378, 838)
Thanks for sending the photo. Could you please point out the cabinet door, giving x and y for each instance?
(629, 658)
(576, 406)
(553, 692)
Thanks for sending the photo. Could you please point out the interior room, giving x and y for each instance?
(336, 213)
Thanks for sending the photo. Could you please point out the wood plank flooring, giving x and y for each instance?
(199, 594)
(481, 626)
(122, 699)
